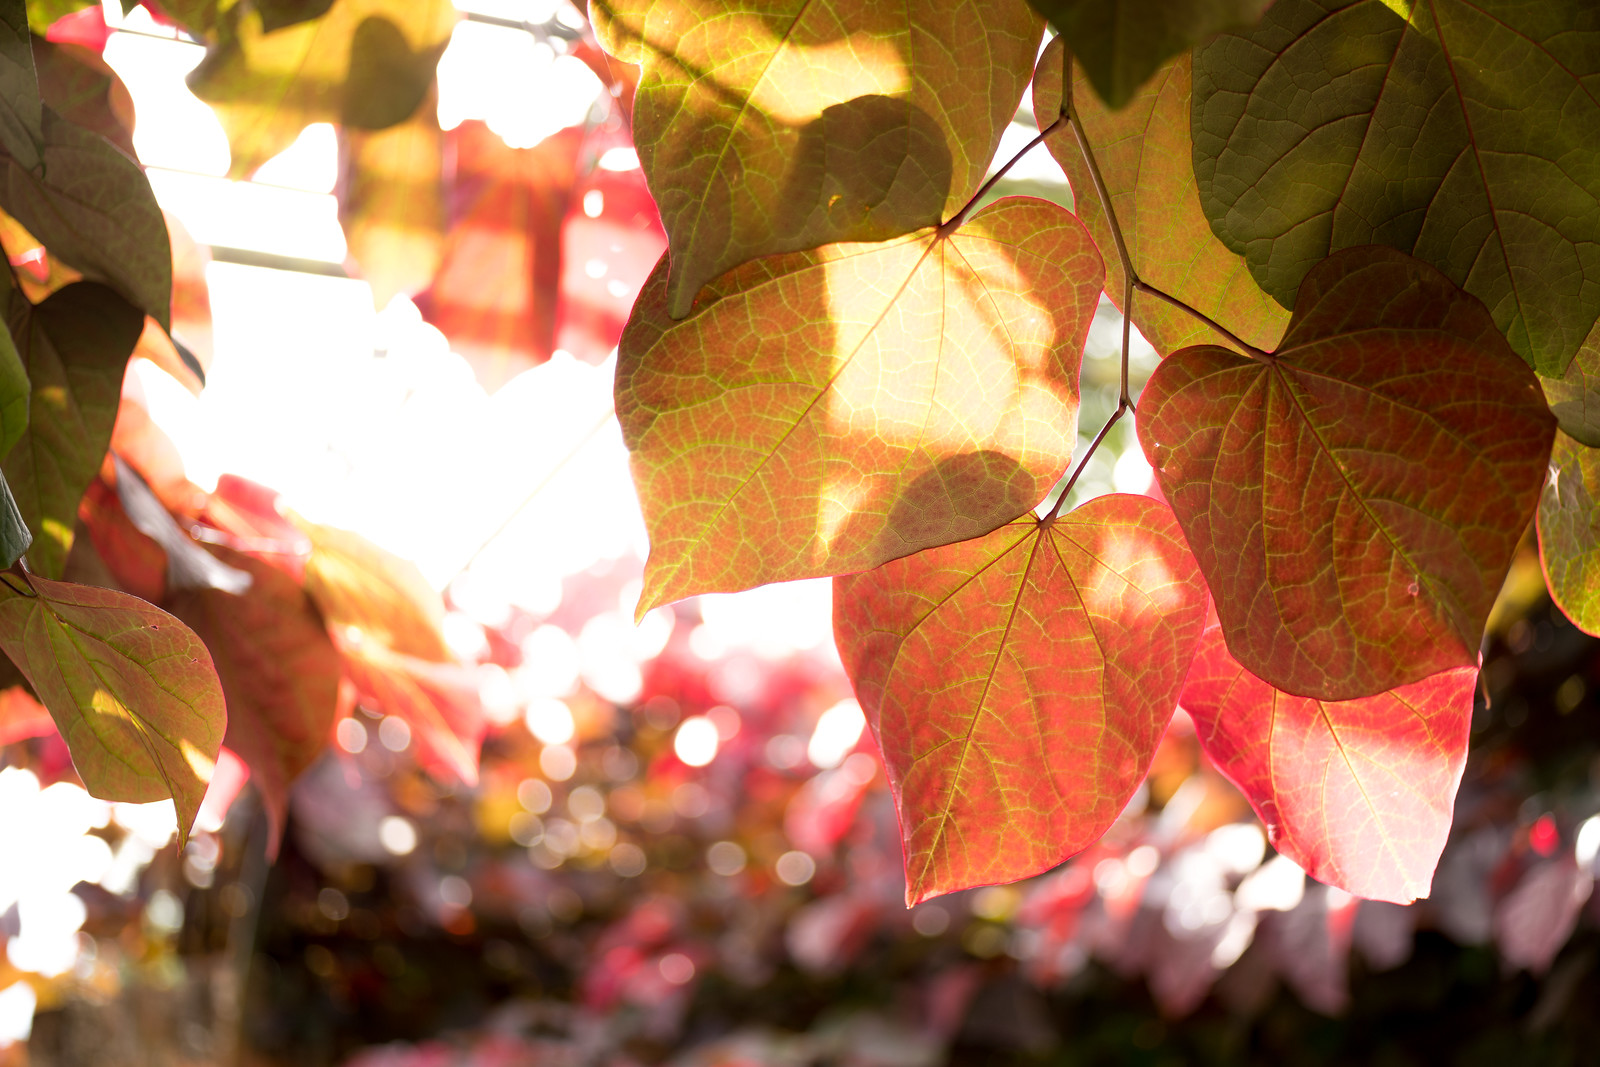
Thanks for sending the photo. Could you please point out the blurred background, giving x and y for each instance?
(677, 844)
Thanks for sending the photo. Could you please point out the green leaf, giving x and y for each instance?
(783, 125)
(1355, 498)
(21, 109)
(75, 348)
(1144, 154)
(92, 207)
(1569, 532)
(1121, 43)
(14, 535)
(1575, 396)
(366, 63)
(1467, 135)
(824, 412)
(1018, 683)
(131, 689)
(14, 389)
(42, 14)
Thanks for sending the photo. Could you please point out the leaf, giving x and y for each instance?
(136, 563)
(1465, 134)
(366, 63)
(278, 14)
(82, 89)
(828, 411)
(1574, 397)
(1355, 499)
(189, 566)
(278, 668)
(781, 126)
(1569, 532)
(132, 689)
(14, 535)
(1144, 156)
(21, 109)
(392, 204)
(439, 700)
(74, 347)
(1120, 44)
(1537, 917)
(21, 716)
(1018, 683)
(495, 294)
(361, 587)
(1358, 792)
(15, 393)
(92, 206)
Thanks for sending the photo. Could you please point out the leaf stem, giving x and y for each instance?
(1234, 339)
(1123, 407)
(954, 222)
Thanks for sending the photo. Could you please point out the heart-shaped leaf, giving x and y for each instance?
(1146, 161)
(131, 688)
(75, 348)
(392, 204)
(1360, 793)
(1354, 499)
(827, 411)
(786, 124)
(1120, 44)
(1018, 683)
(1465, 133)
(1575, 396)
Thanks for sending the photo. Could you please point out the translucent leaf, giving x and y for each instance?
(1354, 499)
(1357, 792)
(1018, 683)
(827, 411)
(780, 126)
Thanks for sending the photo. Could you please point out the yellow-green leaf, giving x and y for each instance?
(824, 412)
(783, 125)
(131, 689)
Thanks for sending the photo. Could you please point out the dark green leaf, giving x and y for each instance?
(21, 132)
(1468, 136)
(1120, 43)
(75, 347)
(14, 535)
(92, 206)
(78, 85)
(277, 14)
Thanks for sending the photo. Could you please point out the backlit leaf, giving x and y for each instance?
(1467, 134)
(131, 688)
(74, 346)
(1575, 396)
(1355, 499)
(1120, 44)
(1358, 792)
(1146, 160)
(361, 587)
(828, 411)
(1569, 532)
(279, 672)
(780, 126)
(366, 63)
(1018, 683)
(92, 206)
(392, 204)
(189, 566)
(439, 700)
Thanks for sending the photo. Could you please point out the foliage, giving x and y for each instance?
(1356, 232)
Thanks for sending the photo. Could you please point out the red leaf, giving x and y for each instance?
(494, 296)
(1357, 792)
(1538, 916)
(1018, 683)
(21, 716)
(279, 671)
(1354, 499)
(439, 700)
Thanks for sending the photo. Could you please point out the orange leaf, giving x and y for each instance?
(1354, 499)
(1018, 684)
(1358, 792)
(361, 587)
(828, 411)
(439, 700)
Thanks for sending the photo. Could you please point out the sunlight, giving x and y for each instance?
(491, 72)
(174, 128)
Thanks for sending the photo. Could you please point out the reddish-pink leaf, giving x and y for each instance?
(1354, 499)
(1018, 683)
(824, 412)
(21, 716)
(439, 700)
(1536, 918)
(1357, 792)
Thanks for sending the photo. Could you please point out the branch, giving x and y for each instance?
(1123, 407)
(955, 221)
